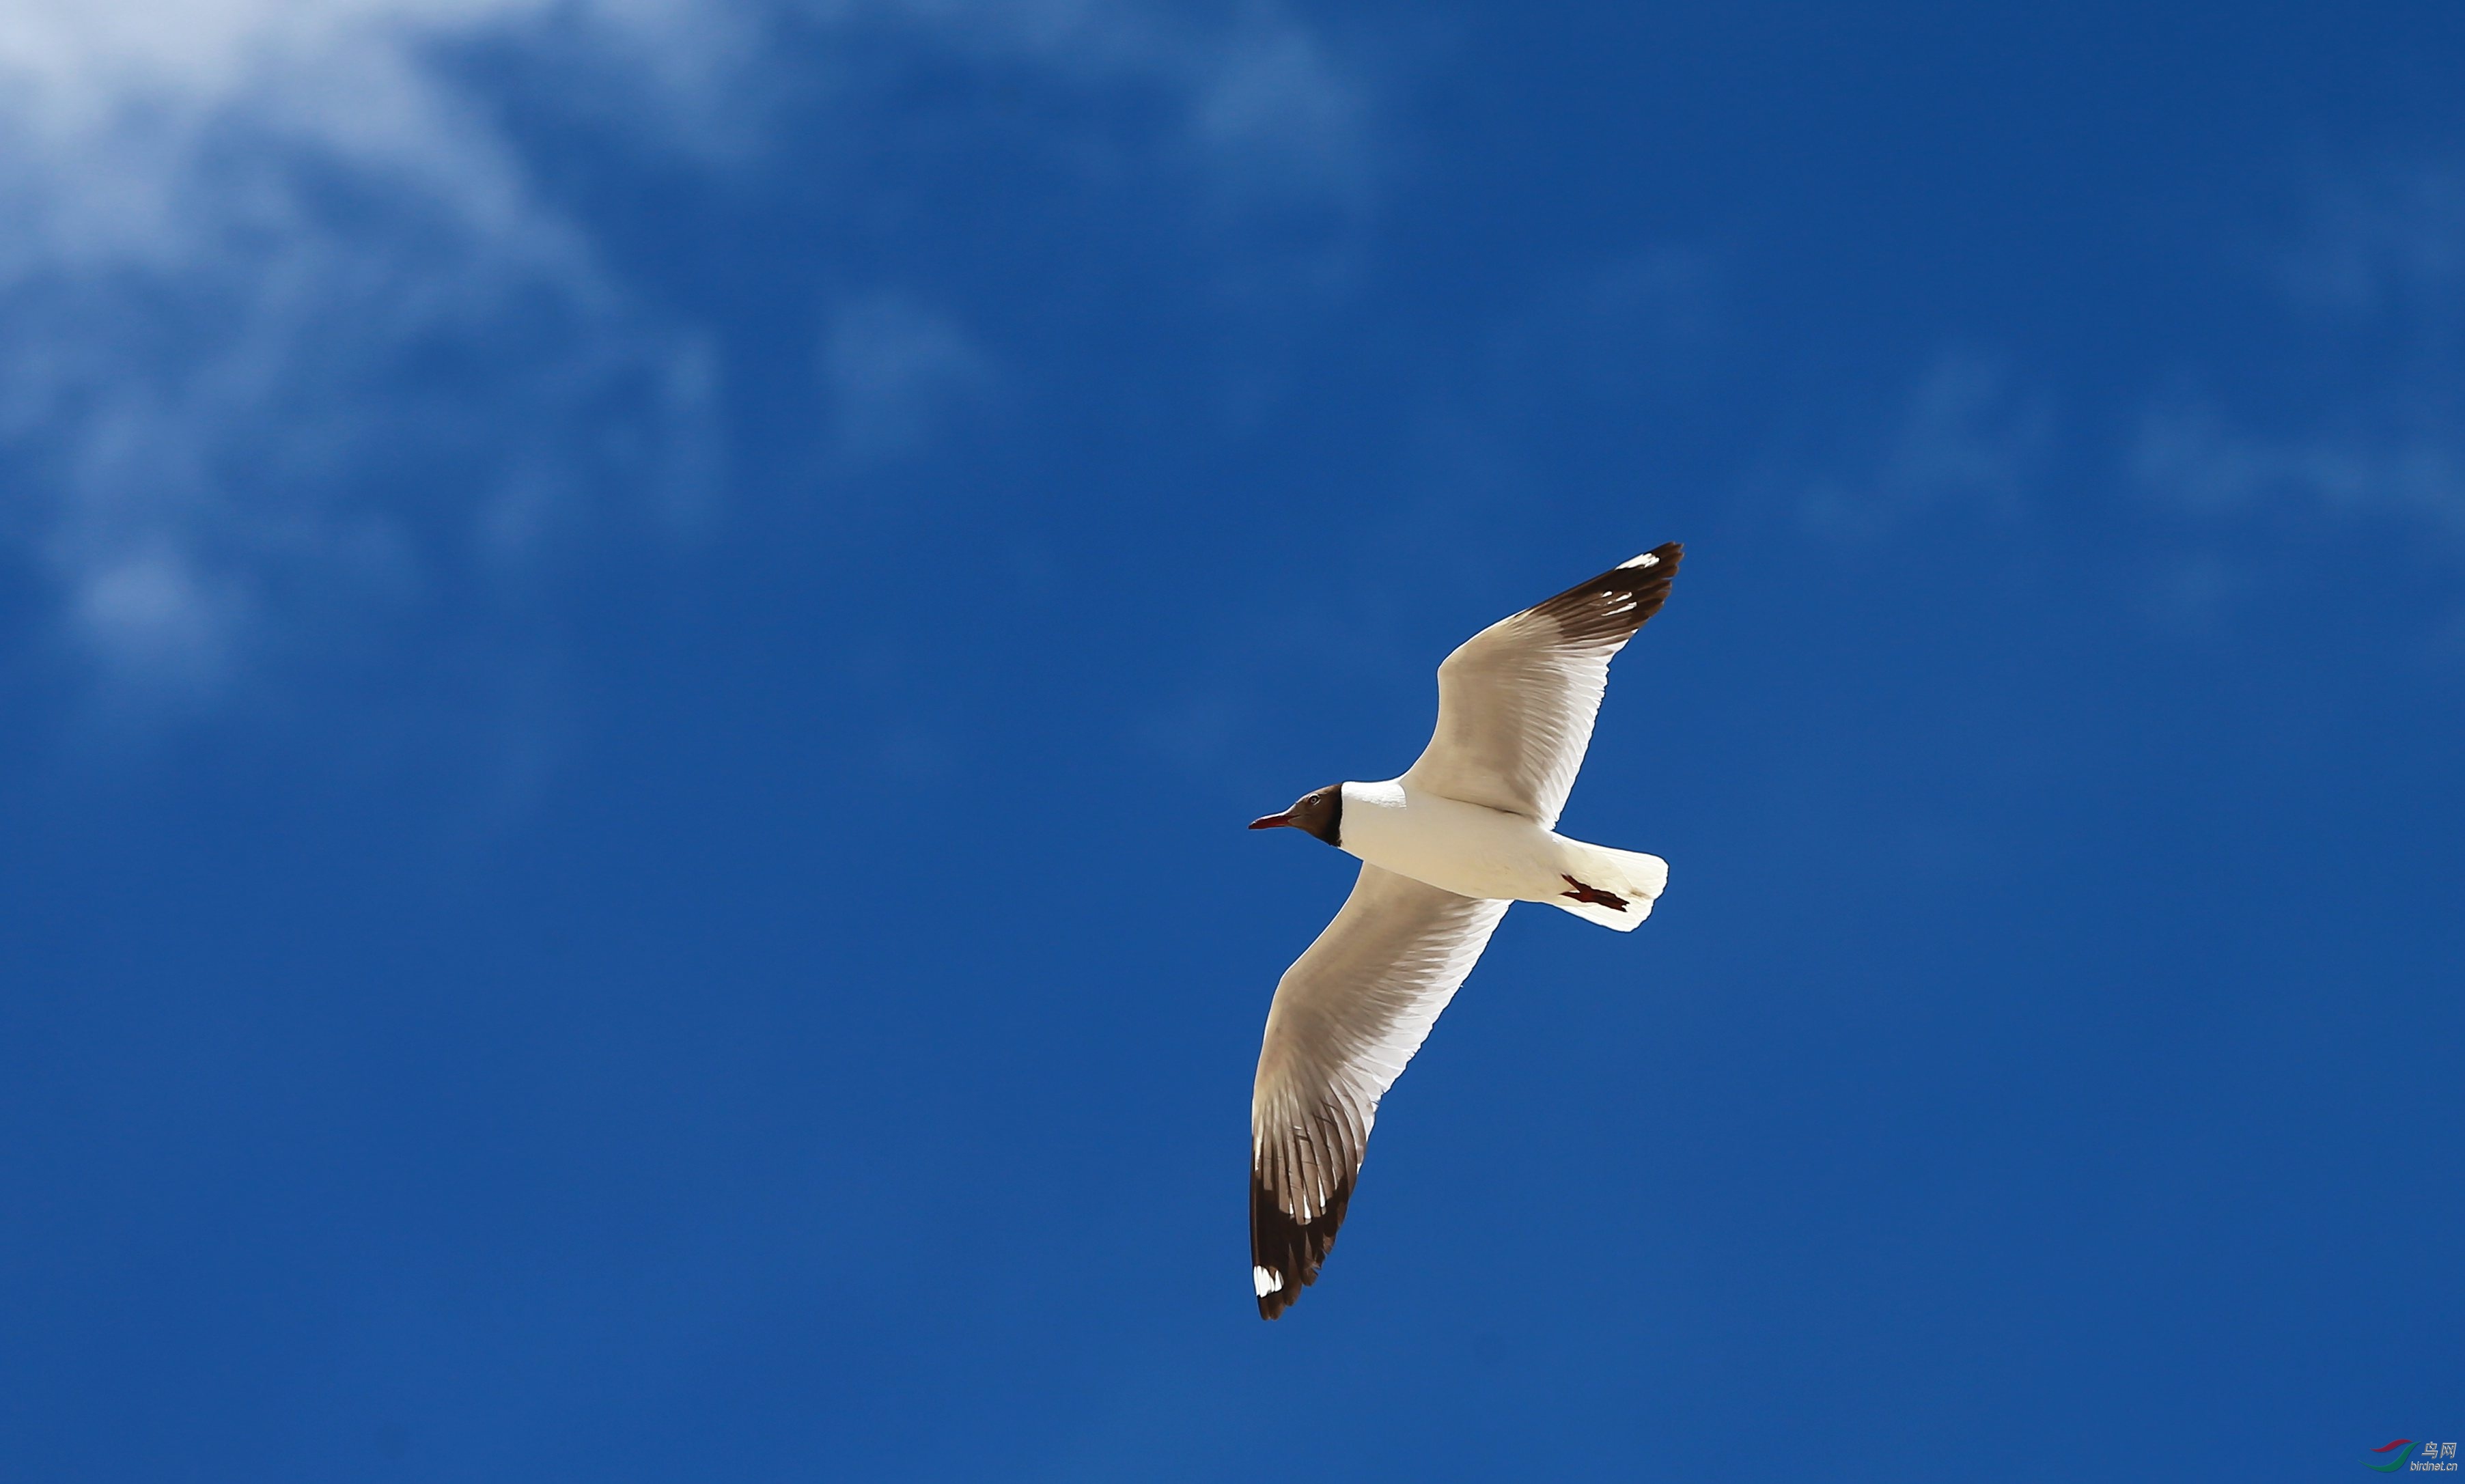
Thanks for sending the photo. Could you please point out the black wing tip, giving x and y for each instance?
(1285, 1255)
(1611, 607)
(1273, 1303)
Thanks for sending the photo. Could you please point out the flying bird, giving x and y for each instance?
(1468, 831)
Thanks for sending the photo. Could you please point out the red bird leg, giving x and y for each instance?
(1592, 893)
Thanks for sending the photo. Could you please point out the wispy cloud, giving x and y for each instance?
(1968, 434)
(2385, 241)
(298, 339)
(1615, 340)
(252, 253)
(894, 370)
(2388, 461)
(1252, 95)
(2373, 320)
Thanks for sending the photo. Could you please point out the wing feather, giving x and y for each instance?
(1347, 1015)
(1516, 701)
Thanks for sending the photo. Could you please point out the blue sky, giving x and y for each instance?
(634, 639)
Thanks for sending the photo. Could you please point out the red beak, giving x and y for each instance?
(1272, 821)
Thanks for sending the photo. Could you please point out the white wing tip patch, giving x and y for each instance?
(1266, 1282)
(1645, 560)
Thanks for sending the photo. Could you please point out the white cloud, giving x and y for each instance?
(158, 617)
(1617, 338)
(249, 251)
(1252, 90)
(2375, 429)
(894, 370)
(2389, 240)
(1967, 434)
(1273, 100)
(2394, 465)
(296, 337)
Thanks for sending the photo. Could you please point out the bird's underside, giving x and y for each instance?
(1515, 717)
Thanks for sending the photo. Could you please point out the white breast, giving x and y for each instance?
(1451, 844)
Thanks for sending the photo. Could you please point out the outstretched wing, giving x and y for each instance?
(1515, 700)
(1348, 1014)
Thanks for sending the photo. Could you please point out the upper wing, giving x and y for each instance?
(1348, 1014)
(1515, 700)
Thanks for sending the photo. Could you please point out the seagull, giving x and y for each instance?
(1468, 831)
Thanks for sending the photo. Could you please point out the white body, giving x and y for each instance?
(1469, 828)
(1473, 850)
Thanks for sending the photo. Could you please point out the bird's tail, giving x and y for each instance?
(1614, 888)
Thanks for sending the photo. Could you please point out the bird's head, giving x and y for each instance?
(1320, 812)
